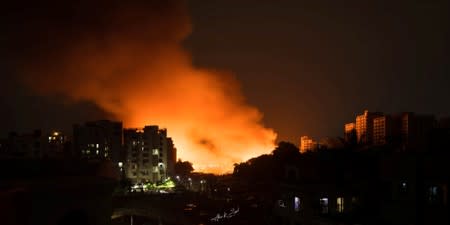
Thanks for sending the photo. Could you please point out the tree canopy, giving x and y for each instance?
(183, 168)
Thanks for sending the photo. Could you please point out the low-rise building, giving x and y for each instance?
(350, 133)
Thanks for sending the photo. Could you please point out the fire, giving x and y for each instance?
(207, 117)
(129, 60)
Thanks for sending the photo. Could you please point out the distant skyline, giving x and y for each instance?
(309, 68)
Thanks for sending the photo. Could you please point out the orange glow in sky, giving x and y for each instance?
(205, 114)
(136, 68)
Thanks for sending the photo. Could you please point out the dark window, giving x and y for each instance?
(433, 194)
(324, 205)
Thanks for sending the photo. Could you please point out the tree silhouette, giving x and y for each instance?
(183, 168)
(286, 152)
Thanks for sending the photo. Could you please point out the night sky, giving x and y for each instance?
(309, 68)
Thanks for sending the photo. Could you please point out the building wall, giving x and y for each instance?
(416, 131)
(382, 127)
(307, 144)
(172, 157)
(36, 145)
(29, 145)
(350, 132)
(150, 154)
(98, 140)
(364, 127)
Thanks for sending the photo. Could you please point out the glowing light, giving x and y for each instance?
(340, 204)
(324, 205)
(142, 75)
(296, 204)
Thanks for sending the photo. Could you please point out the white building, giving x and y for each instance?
(150, 154)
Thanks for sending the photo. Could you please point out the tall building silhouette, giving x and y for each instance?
(364, 126)
(98, 140)
(416, 130)
(386, 130)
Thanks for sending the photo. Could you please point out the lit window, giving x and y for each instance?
(296, 204)
(96, 145)
(155, 151)
(432, 194)
(120, 164)
(340, 204)
(324, 205)
(96, 152)
(404, 185)
(280, 202)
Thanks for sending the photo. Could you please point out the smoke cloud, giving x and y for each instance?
(128, 59)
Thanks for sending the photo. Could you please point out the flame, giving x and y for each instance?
(129, 60)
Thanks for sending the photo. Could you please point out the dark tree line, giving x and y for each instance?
(183, 168)
(317, 165)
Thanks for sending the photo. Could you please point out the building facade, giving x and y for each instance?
(150, 154)
(36, 145)
(350, 132)
(382, 127)
(416, 130)
(364, 127)
(58, 145)
(27, 145)
(307, 144)
(98, 140)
